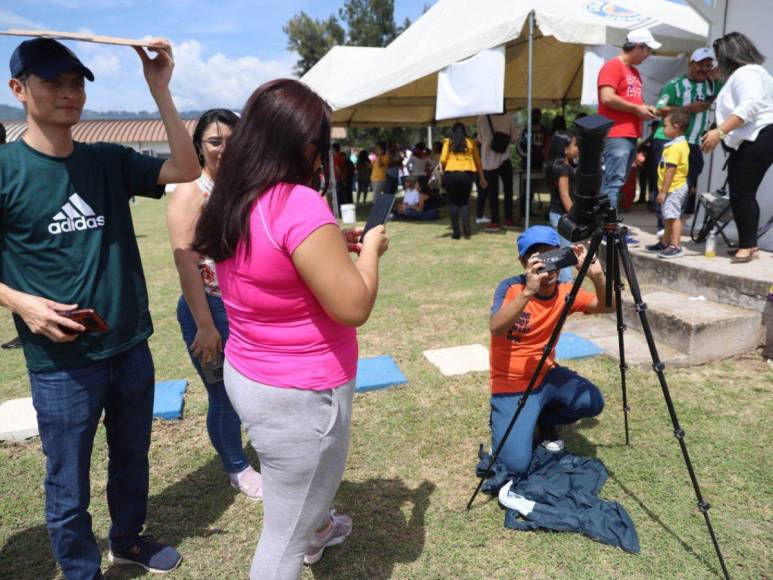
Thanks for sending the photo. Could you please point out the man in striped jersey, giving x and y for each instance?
(694, 93)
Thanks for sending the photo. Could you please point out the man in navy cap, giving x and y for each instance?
(525, 311)
(69, 242)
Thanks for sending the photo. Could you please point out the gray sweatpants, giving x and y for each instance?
(302, 440)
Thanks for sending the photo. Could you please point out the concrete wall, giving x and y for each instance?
(753, 18)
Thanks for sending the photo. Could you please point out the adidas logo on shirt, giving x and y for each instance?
(76, 216)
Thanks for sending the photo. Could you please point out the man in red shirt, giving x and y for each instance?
(621, 100)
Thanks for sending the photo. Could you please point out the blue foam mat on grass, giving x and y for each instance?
(572, 346)
(168, 402)
(378, 372)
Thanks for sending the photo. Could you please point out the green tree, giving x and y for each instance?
(311, 39)
(370, 22)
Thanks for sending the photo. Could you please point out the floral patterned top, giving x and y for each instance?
(207, 265)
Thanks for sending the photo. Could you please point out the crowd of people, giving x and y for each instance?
(271, 298)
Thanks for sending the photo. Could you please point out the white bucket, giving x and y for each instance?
(348, 213)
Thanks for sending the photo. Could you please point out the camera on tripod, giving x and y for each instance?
(589, 209)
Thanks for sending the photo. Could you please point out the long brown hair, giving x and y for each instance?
(734, 50)
(269, 146)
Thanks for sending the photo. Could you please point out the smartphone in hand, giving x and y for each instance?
(87, 317)
(379, 215)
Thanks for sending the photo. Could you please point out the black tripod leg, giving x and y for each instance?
(658, 366)
(621, 328)
(594, 246)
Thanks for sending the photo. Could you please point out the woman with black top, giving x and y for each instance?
(560, 181)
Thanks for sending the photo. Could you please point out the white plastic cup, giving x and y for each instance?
(348, 213)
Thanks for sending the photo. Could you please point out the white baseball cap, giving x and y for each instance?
(700, 54)
(643, 36)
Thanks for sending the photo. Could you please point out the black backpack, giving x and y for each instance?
(499, 141)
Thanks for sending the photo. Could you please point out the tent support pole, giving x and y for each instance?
(331, 174)
(429, 136)
(528, 120)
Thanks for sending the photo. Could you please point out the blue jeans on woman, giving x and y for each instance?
(223, 423)
(565, 275)
(69, 404)
(563, 397)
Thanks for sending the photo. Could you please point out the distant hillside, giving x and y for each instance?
(9, 113)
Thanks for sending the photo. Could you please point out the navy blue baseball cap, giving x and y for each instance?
(46, 58)
(537, 235)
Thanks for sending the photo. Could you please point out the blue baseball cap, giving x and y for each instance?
(46, 58)
(537, 235)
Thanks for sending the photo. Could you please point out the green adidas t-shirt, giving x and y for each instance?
(67, 235)
(680, 92)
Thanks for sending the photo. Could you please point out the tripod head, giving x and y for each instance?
(589, 209)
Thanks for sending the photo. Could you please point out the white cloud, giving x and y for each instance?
(220, 81)
(9, 19)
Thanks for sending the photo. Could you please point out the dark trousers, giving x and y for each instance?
(745, 170)
(392, 182)
(362, 188)
(69, 404)
(505, 172)
(458, 185)
(657, 153)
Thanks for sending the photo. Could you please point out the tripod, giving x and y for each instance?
(617, 255)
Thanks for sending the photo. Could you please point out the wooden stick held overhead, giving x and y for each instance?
(84, 37)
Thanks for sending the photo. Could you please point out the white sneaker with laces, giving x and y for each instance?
(336, 533)
(482, 220)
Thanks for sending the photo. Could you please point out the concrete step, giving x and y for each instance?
(603, 332)
(703, 330)
(742, 285)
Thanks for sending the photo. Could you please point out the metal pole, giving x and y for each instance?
(333, 185)
(429, 137)
(528, 119)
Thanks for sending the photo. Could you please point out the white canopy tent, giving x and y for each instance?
(543, 62)
(397, 85)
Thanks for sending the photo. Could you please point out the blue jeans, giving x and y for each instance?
(617, 158)
(69, 404)
(563, 397)
(565, 275)
(223, 423)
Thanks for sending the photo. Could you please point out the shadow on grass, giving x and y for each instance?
(388, 529)
(709, 564)
(183, 510)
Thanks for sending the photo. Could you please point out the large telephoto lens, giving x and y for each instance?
(591, 132)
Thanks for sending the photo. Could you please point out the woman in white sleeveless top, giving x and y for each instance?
(200, 310)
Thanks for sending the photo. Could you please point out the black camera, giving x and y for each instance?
(589, 209)
(557, 259)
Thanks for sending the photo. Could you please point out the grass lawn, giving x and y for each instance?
(413, 450)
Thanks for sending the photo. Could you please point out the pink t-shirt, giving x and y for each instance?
(279, 334)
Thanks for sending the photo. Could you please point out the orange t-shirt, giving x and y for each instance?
(514, 355)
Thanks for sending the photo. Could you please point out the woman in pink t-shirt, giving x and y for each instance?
(293, 297)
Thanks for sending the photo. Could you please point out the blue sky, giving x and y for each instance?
(223, 48)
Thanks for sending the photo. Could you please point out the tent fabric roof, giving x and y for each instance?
(397, 85)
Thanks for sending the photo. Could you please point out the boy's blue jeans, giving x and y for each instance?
(563, 397)
(223, 424)
(617, 158)
(69, 404)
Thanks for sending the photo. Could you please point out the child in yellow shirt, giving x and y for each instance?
(672, 184)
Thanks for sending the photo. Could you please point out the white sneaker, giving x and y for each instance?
(249, 482)
(556, 446)
(482, 220)
(660, 233)
(336, 533)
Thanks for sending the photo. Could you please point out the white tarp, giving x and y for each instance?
(398, 84)
(474, 86)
